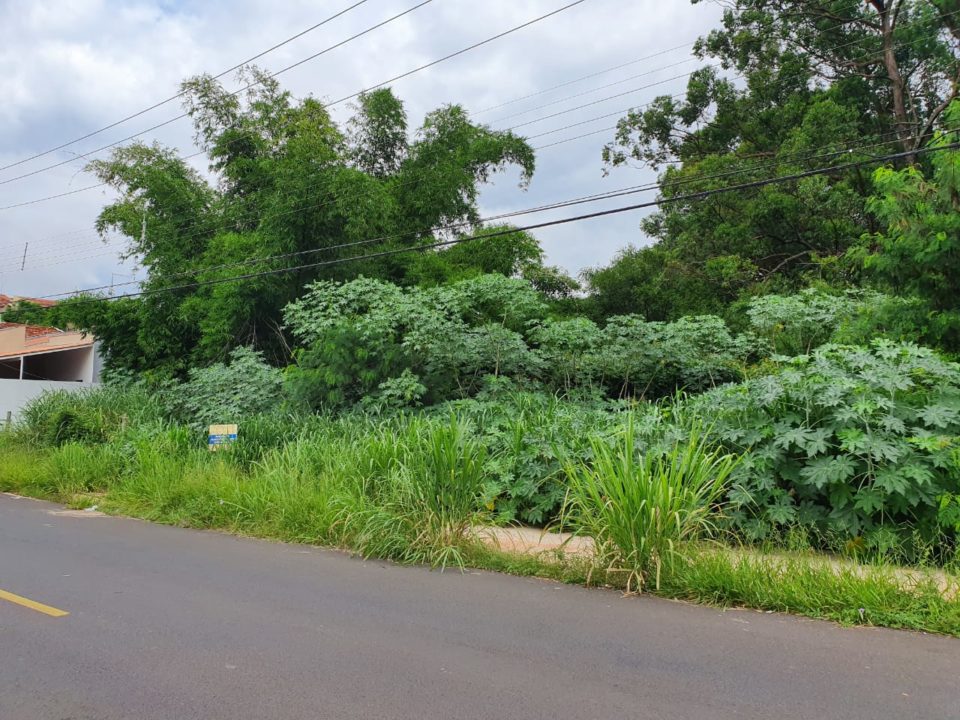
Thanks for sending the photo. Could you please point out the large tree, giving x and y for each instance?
(792, 85)
(287, 188)
(918, 252)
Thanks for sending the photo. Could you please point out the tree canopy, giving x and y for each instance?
(791, 85)
(289, 193)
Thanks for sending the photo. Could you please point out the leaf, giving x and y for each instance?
(829, 470)
(816, 442)
(868, 500)
(891, 480)
(939, 416)
(782, 512)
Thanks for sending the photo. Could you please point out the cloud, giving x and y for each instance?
(73, 67)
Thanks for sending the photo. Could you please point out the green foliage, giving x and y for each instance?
(567, 349)
(797, 324)
(454, 337)
(92, 416)
(639, 508)
(815, 81)
(228, 392)
(288, 182)
(342, 367)
(378, 133)
(852, 443)
(420, 496)
(363, 333)
(528, 437)
(410, 487)
(817, 587)
(919, 253)
(653, 359)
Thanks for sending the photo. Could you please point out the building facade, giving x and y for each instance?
(34, 359)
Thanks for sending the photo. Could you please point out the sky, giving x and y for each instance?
(73, 67)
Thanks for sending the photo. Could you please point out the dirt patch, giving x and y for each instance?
(535, 542)
(77, 513)
(532, 541)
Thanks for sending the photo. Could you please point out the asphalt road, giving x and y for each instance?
(172, 624)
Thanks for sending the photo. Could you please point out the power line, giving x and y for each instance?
(585, 122)
(691, 197)
(457, 53)
(51, 197)
(161, 103)
(798, 157)
(604, 87)
(583, 77)
(300, 62)
(529, 137)
(236, 92)
(576, 137)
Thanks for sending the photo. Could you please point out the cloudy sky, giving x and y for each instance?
(73, 66)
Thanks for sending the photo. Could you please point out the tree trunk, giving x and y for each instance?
(897, 85)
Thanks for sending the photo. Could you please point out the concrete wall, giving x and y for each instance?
(15, 394)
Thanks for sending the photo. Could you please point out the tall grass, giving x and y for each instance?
(91, 416)
(805, 584)
(640, 508)
(416, 494)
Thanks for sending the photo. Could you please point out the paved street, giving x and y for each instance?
(174, 624)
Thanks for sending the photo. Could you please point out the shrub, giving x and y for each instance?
(89, 416)
(653, 359)
(527, 436)
(848, 441)
(797, 324)
(364, 333)
(225, 393)
(639, 508)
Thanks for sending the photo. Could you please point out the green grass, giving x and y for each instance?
(640, 508)
(408, 490)
(849, 594)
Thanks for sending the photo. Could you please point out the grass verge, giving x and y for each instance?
(382, 501)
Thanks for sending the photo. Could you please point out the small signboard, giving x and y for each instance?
(221, 436)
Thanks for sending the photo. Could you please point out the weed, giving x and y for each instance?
(639, 508)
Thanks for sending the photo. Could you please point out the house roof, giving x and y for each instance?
(37, 339)
(7, 301)
(45, 350)
(33, 331)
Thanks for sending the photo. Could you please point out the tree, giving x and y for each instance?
(919, 251)
(378, 133)
(292, 196)
(812, 79)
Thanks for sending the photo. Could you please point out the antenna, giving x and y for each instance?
(23, 263)
(115, 275)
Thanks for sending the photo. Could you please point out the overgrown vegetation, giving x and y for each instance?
(775, 371)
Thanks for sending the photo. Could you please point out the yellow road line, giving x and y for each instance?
(32, 604)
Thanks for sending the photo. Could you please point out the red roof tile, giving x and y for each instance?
(8, 300)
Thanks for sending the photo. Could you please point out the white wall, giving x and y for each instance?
(15, 394)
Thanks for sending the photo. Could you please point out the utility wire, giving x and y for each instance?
(70, 258)
(300, 62)
(235, 92)
(457, 53)
(691, 197)
(798, 158)
(604, 87)
(583, 77)
(620, 112)
(161, 103)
